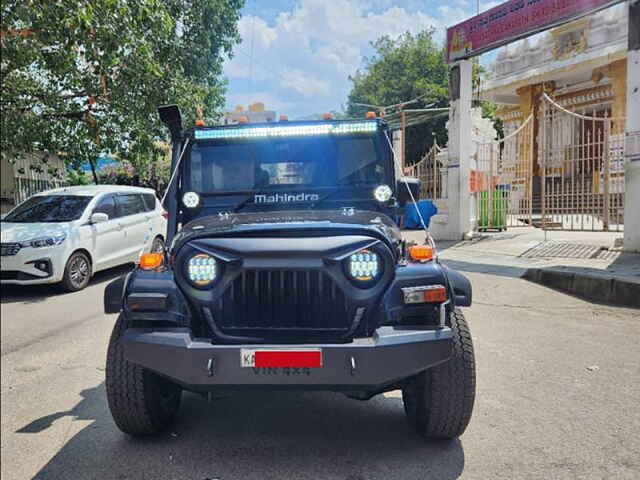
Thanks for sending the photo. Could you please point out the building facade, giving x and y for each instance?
(256, 113)
(562, 96)
(29, 174)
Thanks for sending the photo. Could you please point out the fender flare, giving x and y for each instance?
(114, 294)
(460, 285)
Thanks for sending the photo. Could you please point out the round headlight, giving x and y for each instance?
(365, 266)
(382, 193)
(202, 269)
(191, 199)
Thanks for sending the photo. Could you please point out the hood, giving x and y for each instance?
(263, 222)
(22, 232)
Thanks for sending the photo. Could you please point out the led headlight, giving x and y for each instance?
(202, 269)
(46, 241)
(191, 199)
(382, 193)
(365, 266)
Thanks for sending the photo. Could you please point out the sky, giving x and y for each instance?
(296, 55)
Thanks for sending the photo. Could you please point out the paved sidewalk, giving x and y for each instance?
(586, 264)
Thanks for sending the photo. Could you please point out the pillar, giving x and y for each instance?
(397, 149)
(632, 135)
(527, 100)
(618, 76)
(460, 201)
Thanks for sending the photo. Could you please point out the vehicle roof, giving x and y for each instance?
(93, 190)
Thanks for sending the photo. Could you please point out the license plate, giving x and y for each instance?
(310, 357)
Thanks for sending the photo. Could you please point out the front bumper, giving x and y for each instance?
(20, 269)
(364, 364)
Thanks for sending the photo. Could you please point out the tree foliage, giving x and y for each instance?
(83, 77)
(402, 69)
(405, 68)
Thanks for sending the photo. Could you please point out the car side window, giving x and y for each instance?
(106, 205)
(130, 204)
(149, 201)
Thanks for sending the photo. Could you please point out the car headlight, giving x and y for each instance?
(45, 241)
(365, 266)
(191, 199)
(383, 193)
(202, 269)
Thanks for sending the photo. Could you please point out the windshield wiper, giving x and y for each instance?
(244, 201)
(323, 198)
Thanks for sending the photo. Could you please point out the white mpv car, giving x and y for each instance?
(67, 234)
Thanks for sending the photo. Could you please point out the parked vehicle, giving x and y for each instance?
(289, 273)
(67, 234)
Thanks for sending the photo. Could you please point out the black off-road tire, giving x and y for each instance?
(141, 402)
(439, 401)
(77, 272)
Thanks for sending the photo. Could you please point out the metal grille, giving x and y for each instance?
(502, 180)
(283, 301)
(9, 275)
(9, 249)
(581, 157)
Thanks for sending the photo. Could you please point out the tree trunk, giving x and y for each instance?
(93, 171)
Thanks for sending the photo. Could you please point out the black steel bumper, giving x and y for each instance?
(365, 364)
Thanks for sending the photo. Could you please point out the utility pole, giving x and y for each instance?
(403, 125)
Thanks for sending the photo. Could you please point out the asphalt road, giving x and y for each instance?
(558, 396)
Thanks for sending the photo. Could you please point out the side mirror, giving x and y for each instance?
(99, 217)
(403, 195)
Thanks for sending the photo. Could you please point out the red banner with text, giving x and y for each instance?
(513, 20)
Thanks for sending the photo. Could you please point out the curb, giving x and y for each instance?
(596, 288)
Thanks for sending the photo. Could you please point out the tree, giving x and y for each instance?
(402, 69)
(84, 77)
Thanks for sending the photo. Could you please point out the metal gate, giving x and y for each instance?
(432, 174)
(502, 180)
(580, 157)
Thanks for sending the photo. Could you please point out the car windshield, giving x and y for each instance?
(282, 163)
(49, 208)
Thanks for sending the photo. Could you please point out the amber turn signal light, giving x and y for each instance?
(199, 122)
(149, 261)
(425, 294)
(370, 115)
(435, 294)
(421, 252)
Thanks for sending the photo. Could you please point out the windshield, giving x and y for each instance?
(317, 162)
(49, 208)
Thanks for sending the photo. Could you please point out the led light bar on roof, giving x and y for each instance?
(287, 130)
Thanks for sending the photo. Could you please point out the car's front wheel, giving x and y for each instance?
(438, 402)
(141, 402)
(77, 272)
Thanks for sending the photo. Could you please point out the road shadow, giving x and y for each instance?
(265, 435)
(39, 293)
(487, 268)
